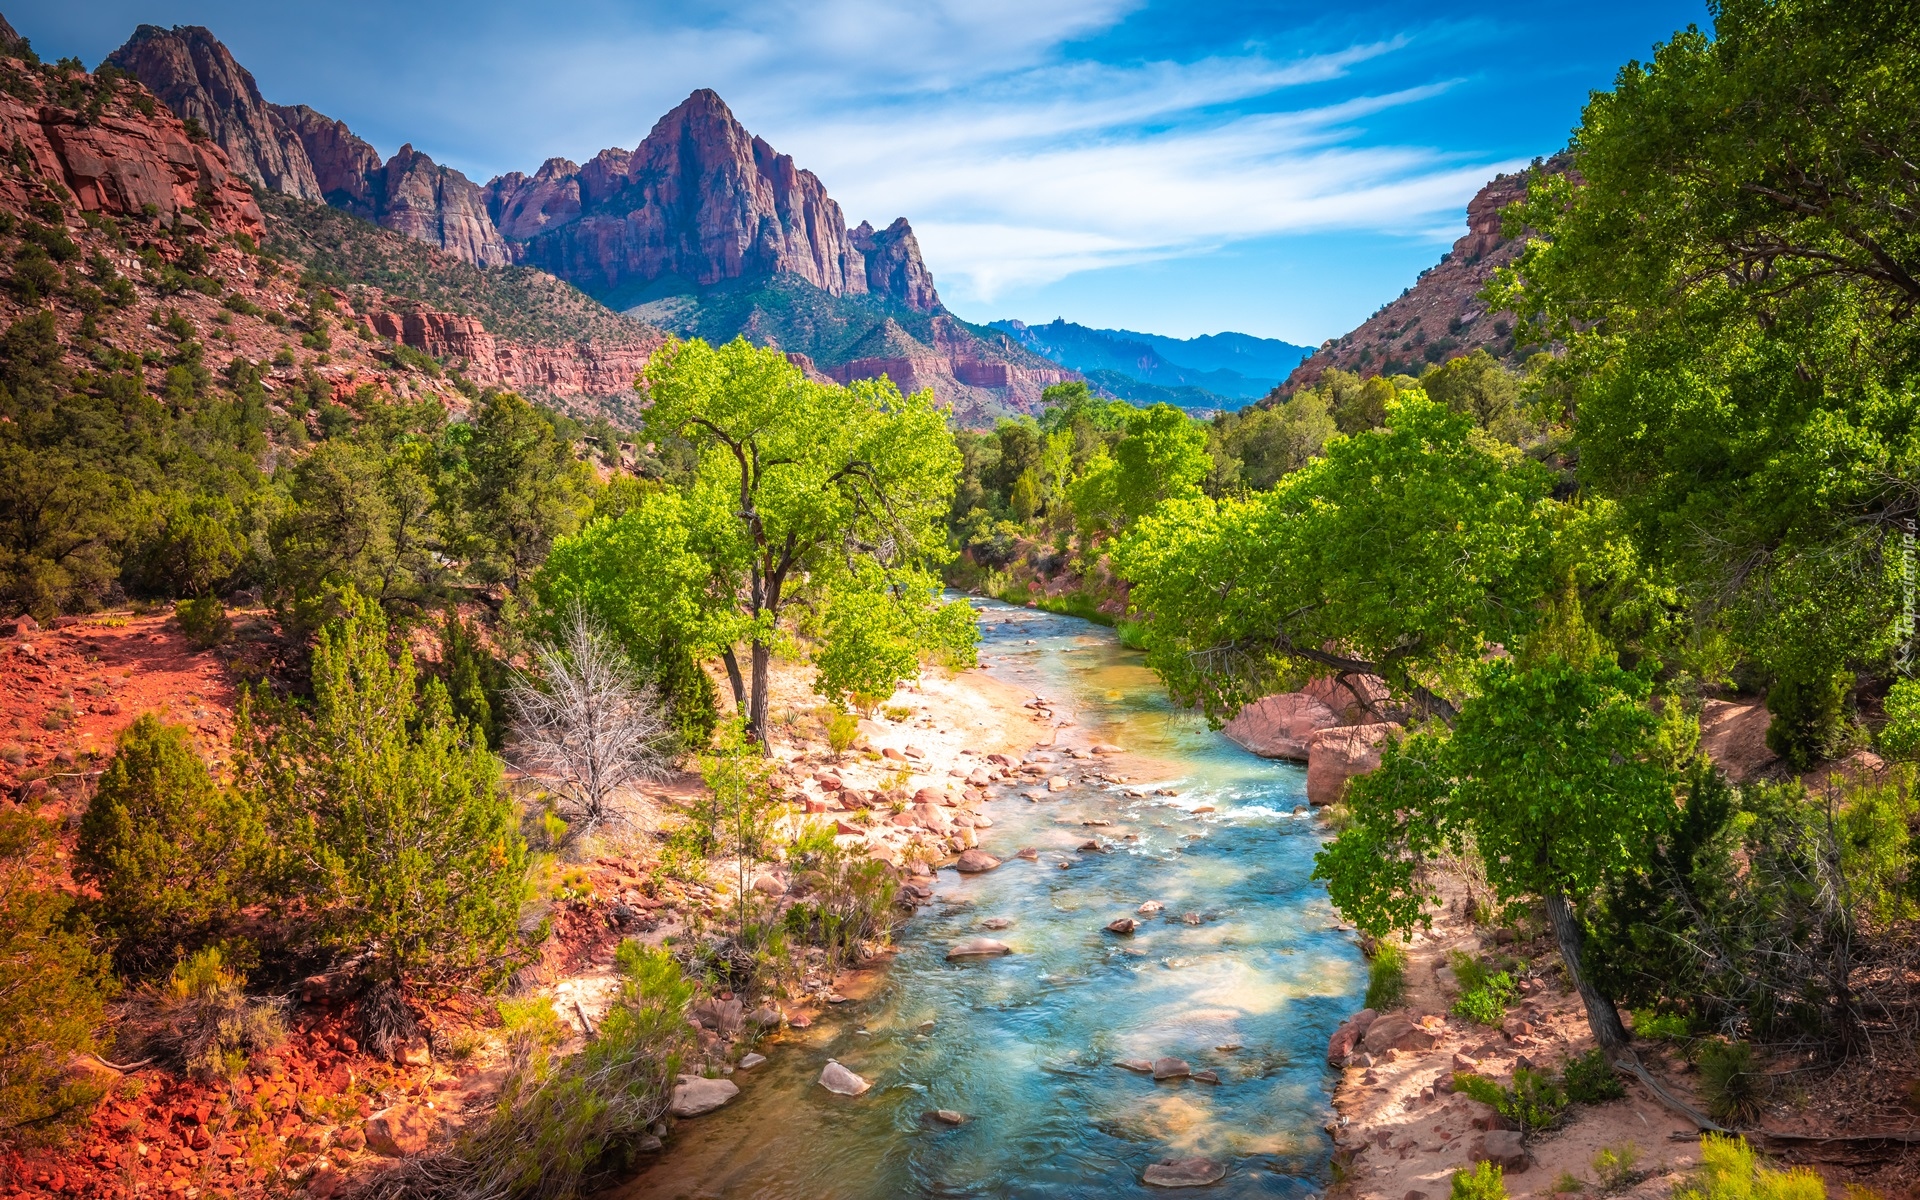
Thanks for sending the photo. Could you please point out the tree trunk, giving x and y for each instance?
(757, 714)
(1602, 1017)
(733, 677)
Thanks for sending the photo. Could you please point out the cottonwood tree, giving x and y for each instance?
(796, 483)
(589, 725)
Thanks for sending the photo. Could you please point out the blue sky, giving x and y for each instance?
(1175, 167)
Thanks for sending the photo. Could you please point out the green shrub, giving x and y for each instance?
(565, 1128)
(1387, 976)
(1807, 716)
(1535, 1100)
(202, 1022)
(1484, 994)
(476, 680)
(1732, 1082)
(172, 854)
(390, 820)
(1729, 1170)
(1659, 1026)
(204, 621)
(1614, 1166)
(1590, 1079)
(53, 990)
(1900, 737)
(1484, 1182)
(1479, 1087)
(843, 730)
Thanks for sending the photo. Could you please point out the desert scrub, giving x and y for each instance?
(1386, 976)
(201, 1021)
(1484, 994)
(843, 729)
(53, 990)
(172, 853)
(1732, 1082)
(1589, 1079)
(1484, 1182)
(1535, 1101)
(1616, 1166)
(563, 1127)
(1730, 1170)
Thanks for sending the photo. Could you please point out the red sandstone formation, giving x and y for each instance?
(194, 75)
(1441, 316)
(571, 369)
(341, 162)
(703, 201)
(123, 162)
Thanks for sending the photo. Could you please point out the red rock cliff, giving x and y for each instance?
(571, 369)
(122, 161)
(703, 201)
(1441, 316)
(194, 75)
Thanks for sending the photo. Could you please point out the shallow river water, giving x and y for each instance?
(1024, 1045)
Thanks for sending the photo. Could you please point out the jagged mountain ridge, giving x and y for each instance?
(700, 215)
(1224, 368)
(1441, 316)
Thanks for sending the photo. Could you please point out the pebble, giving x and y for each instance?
(1150, 907)
(947, 1116)
(978, 948)
(750, 1061)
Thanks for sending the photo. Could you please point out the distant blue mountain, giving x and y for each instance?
(1232, 367)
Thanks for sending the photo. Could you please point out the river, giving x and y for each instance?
(1025, 1045)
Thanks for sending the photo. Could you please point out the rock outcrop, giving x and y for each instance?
(972, 373)
(1280, 726)
(341, 162)
(194, 75)
(569, 369)
(1441, 316)
(123, 162)
(299, 152)
(1337, 755)
(700, 201)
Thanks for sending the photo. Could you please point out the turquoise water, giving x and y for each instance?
(1024, 1045)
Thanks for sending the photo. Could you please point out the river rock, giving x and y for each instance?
(1106, 748)
(1503, 1148)
(1143, 1066)
(1356, 699)
(1206, 1077)
(946, 1116)
(1347, 1037)
(840, 1081)
(401, 1130)
(1149, 908)
(1027, 852)
(997, 923)
(973, 862)
(978, 948)
(1171, 1068)
(694, 1095)
(750, 1061)
(1057, 784)
(1279, 726)
(721, 1016)
(930, 817)
(1124, 925)
(1396, 1031)
(1184, 1172)
(1337, 755)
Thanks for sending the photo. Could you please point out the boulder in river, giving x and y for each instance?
(1184, 1172)
(978, 948)
(1135, 1064)
(694, 1095)
(1279, 726)
(1337, 755)
(1027, 852)
(973, 862)
(946, 1116)
(750, 1061)
(1171, 1068)
(840, 1081)
(996, 923)
(1150, 907)
(1124, 925)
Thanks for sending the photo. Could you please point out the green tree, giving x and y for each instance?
(53, 989)
(797, 482)
(1477, 385)
(877, 633)
(1555, 774)
(173, 854)
(523, 488)
(1401, 553)
(1732, 271)
(476, 681)
(1162, 457)
(389, 816)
